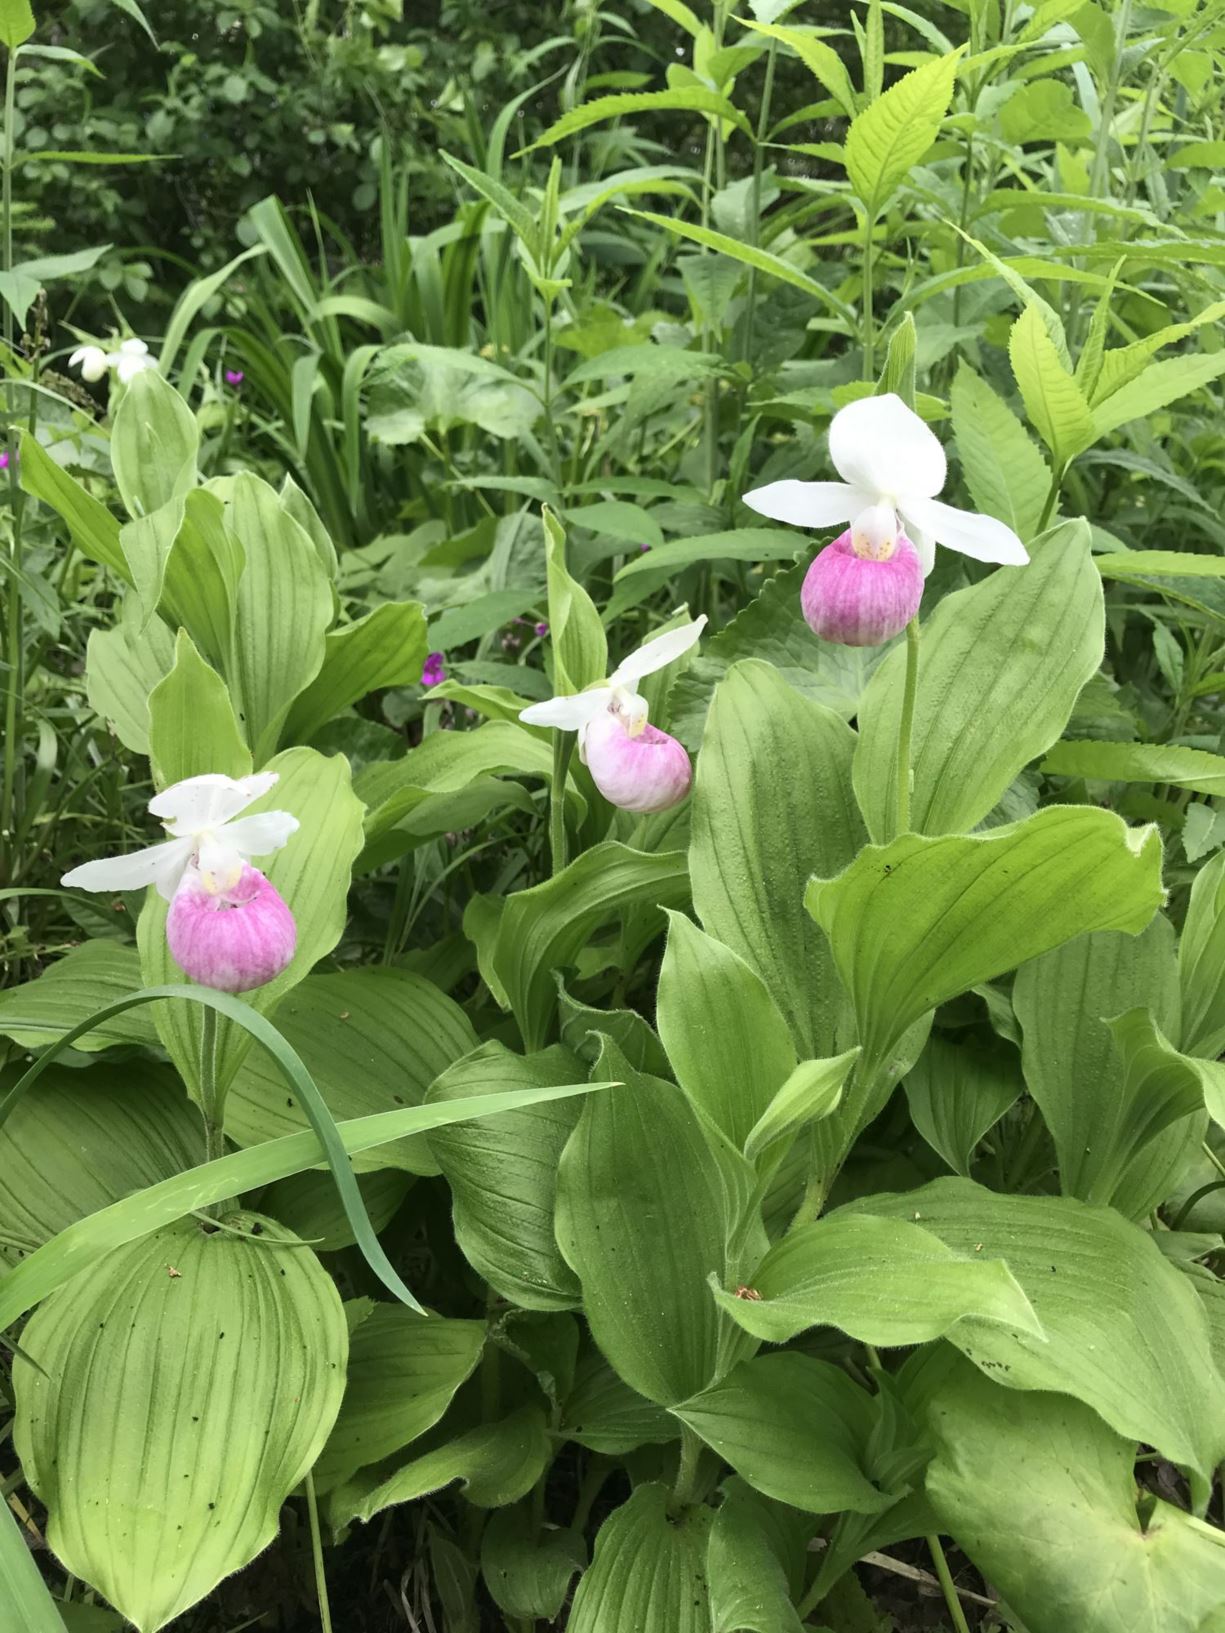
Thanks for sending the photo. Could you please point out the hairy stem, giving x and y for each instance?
(563, 747)
(905, 730)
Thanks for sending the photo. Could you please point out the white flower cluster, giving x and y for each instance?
(130, 359)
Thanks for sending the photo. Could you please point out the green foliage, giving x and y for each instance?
(894, 1048)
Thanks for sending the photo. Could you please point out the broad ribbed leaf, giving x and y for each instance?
(503, 1173)
(154, 441)
(122, 666)
(403, 1371)
(576, 635)
(649, 1570)
(812, 1091)
(750, 255)
(1055, 404)
(495, 1464)
(93, 529)
(284, 607)
(26, 1597)
(373, 1040)
(727, 1044)
(192, 729)
(1201, 964)
(795, 1428)
(312, 873)
(916, 922)
(543, 929)
(528, 1569)
(756, 1563)
(958, 1091)
(1063, 1001)
(73, 988)
(759, 833)
(1000, 668)
(1006, 475)
(880, 1280)
(646, 1208)
(889, 137)
(604, 1414)
(184, 1385)
(1042, 1496)
(82, 1139)
(386, 648)
(1123, 1328)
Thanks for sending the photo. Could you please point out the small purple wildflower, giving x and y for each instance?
(643, 548)
(542, 629)
(434, 671)
(4, 460)
(234, 377)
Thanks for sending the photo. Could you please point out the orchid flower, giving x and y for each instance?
(92, 362)
(633, 764)
(131, 359)
(227, 926)
(892, 468)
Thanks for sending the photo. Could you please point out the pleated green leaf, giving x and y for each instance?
(1000, 667)
(1063, 1001)
(386, 648)
(527, 1569)
(496, 1464)
(577, 641)
(93, 529)
(284, 607)
(543, 929)
(647, 1204)
(649, 1570)
(1042, 1496)
(916, 922)
(957, 1092)
(880, 1280)
(192, 729)
(80, 1140)
(154, 442)
(758, 834)
(1201, 963)
(727, 1043)
(183, 1388)
(604, 1414)
(503, 1173)
(312, 873)
(25, 1596)
(86, 979)
(403, 1371)
(1124, 1330)
(373, 1039)
(795, 1428)
(756, 1563)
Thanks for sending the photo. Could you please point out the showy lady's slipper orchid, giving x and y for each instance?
(129, 360)
(227, 926)
(92, 362)
(632, 763)
(866, 586)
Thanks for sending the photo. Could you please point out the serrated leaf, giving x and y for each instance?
(683, 99)
(1160, 385)
(1192, 768)
(821, 60)
(1056, 406)
(889, 137)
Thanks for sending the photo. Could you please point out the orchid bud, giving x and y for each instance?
(859, 599)
(643, 770)
(234, 938)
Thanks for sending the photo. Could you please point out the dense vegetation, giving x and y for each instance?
(474, 1176)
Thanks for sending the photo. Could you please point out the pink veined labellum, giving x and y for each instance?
(233, 938)
(635, 766)
(860, 596)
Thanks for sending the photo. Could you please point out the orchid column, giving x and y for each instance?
(866, 586)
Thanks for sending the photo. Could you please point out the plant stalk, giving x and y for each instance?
(946, 1582)
(321, 1582)
(563, 748)
(214, 1135)
(905, 730)
(685, 1489)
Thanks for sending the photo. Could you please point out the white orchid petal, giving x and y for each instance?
(982, 537)
(657, 653)
(209, 800)
(881, 446)
(92, 362)
(568, 713)
(260, 835)
(134, 348)
(160, 865)
(808, 504)
(924, 544)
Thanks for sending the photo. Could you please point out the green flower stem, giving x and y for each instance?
(869, 318)
(946, 1582)
(563, 748)
(321, 1583)
(210, 1104)
(685, 1489)
(905, 728)
(14, 680)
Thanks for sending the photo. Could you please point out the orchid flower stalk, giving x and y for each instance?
(635, 766)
